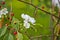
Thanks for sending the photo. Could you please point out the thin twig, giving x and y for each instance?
(35, 12)
(39, 9)
(52, 20)
(43, 36)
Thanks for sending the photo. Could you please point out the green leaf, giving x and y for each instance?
(16, 26)
(3, 31)
(19, 36)
(25, 37)
(8, 37)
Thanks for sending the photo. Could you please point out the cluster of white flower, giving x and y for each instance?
(3, 12)
(28, 19)
(56, 3)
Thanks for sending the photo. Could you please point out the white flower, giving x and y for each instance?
(56, 3)
(27, 19)
(27, 25)
(3, 12)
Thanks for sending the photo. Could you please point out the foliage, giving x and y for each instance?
(14, 30)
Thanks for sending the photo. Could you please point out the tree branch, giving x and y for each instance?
(39, 9)
(43, 36)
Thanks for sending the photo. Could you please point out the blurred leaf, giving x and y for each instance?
(25, 37)
(3, 31)
(15, 23)
(19, 36)
(8, 37)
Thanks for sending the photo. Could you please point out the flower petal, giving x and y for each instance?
(27, 25)
(32, 20)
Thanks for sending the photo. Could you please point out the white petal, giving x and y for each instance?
(32, 20)
(22, 15)
(27, 17)
(56, 3)
(25, 21)
(6, 11)
(27, 25)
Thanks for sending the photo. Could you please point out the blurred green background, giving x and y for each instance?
(43, 20)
